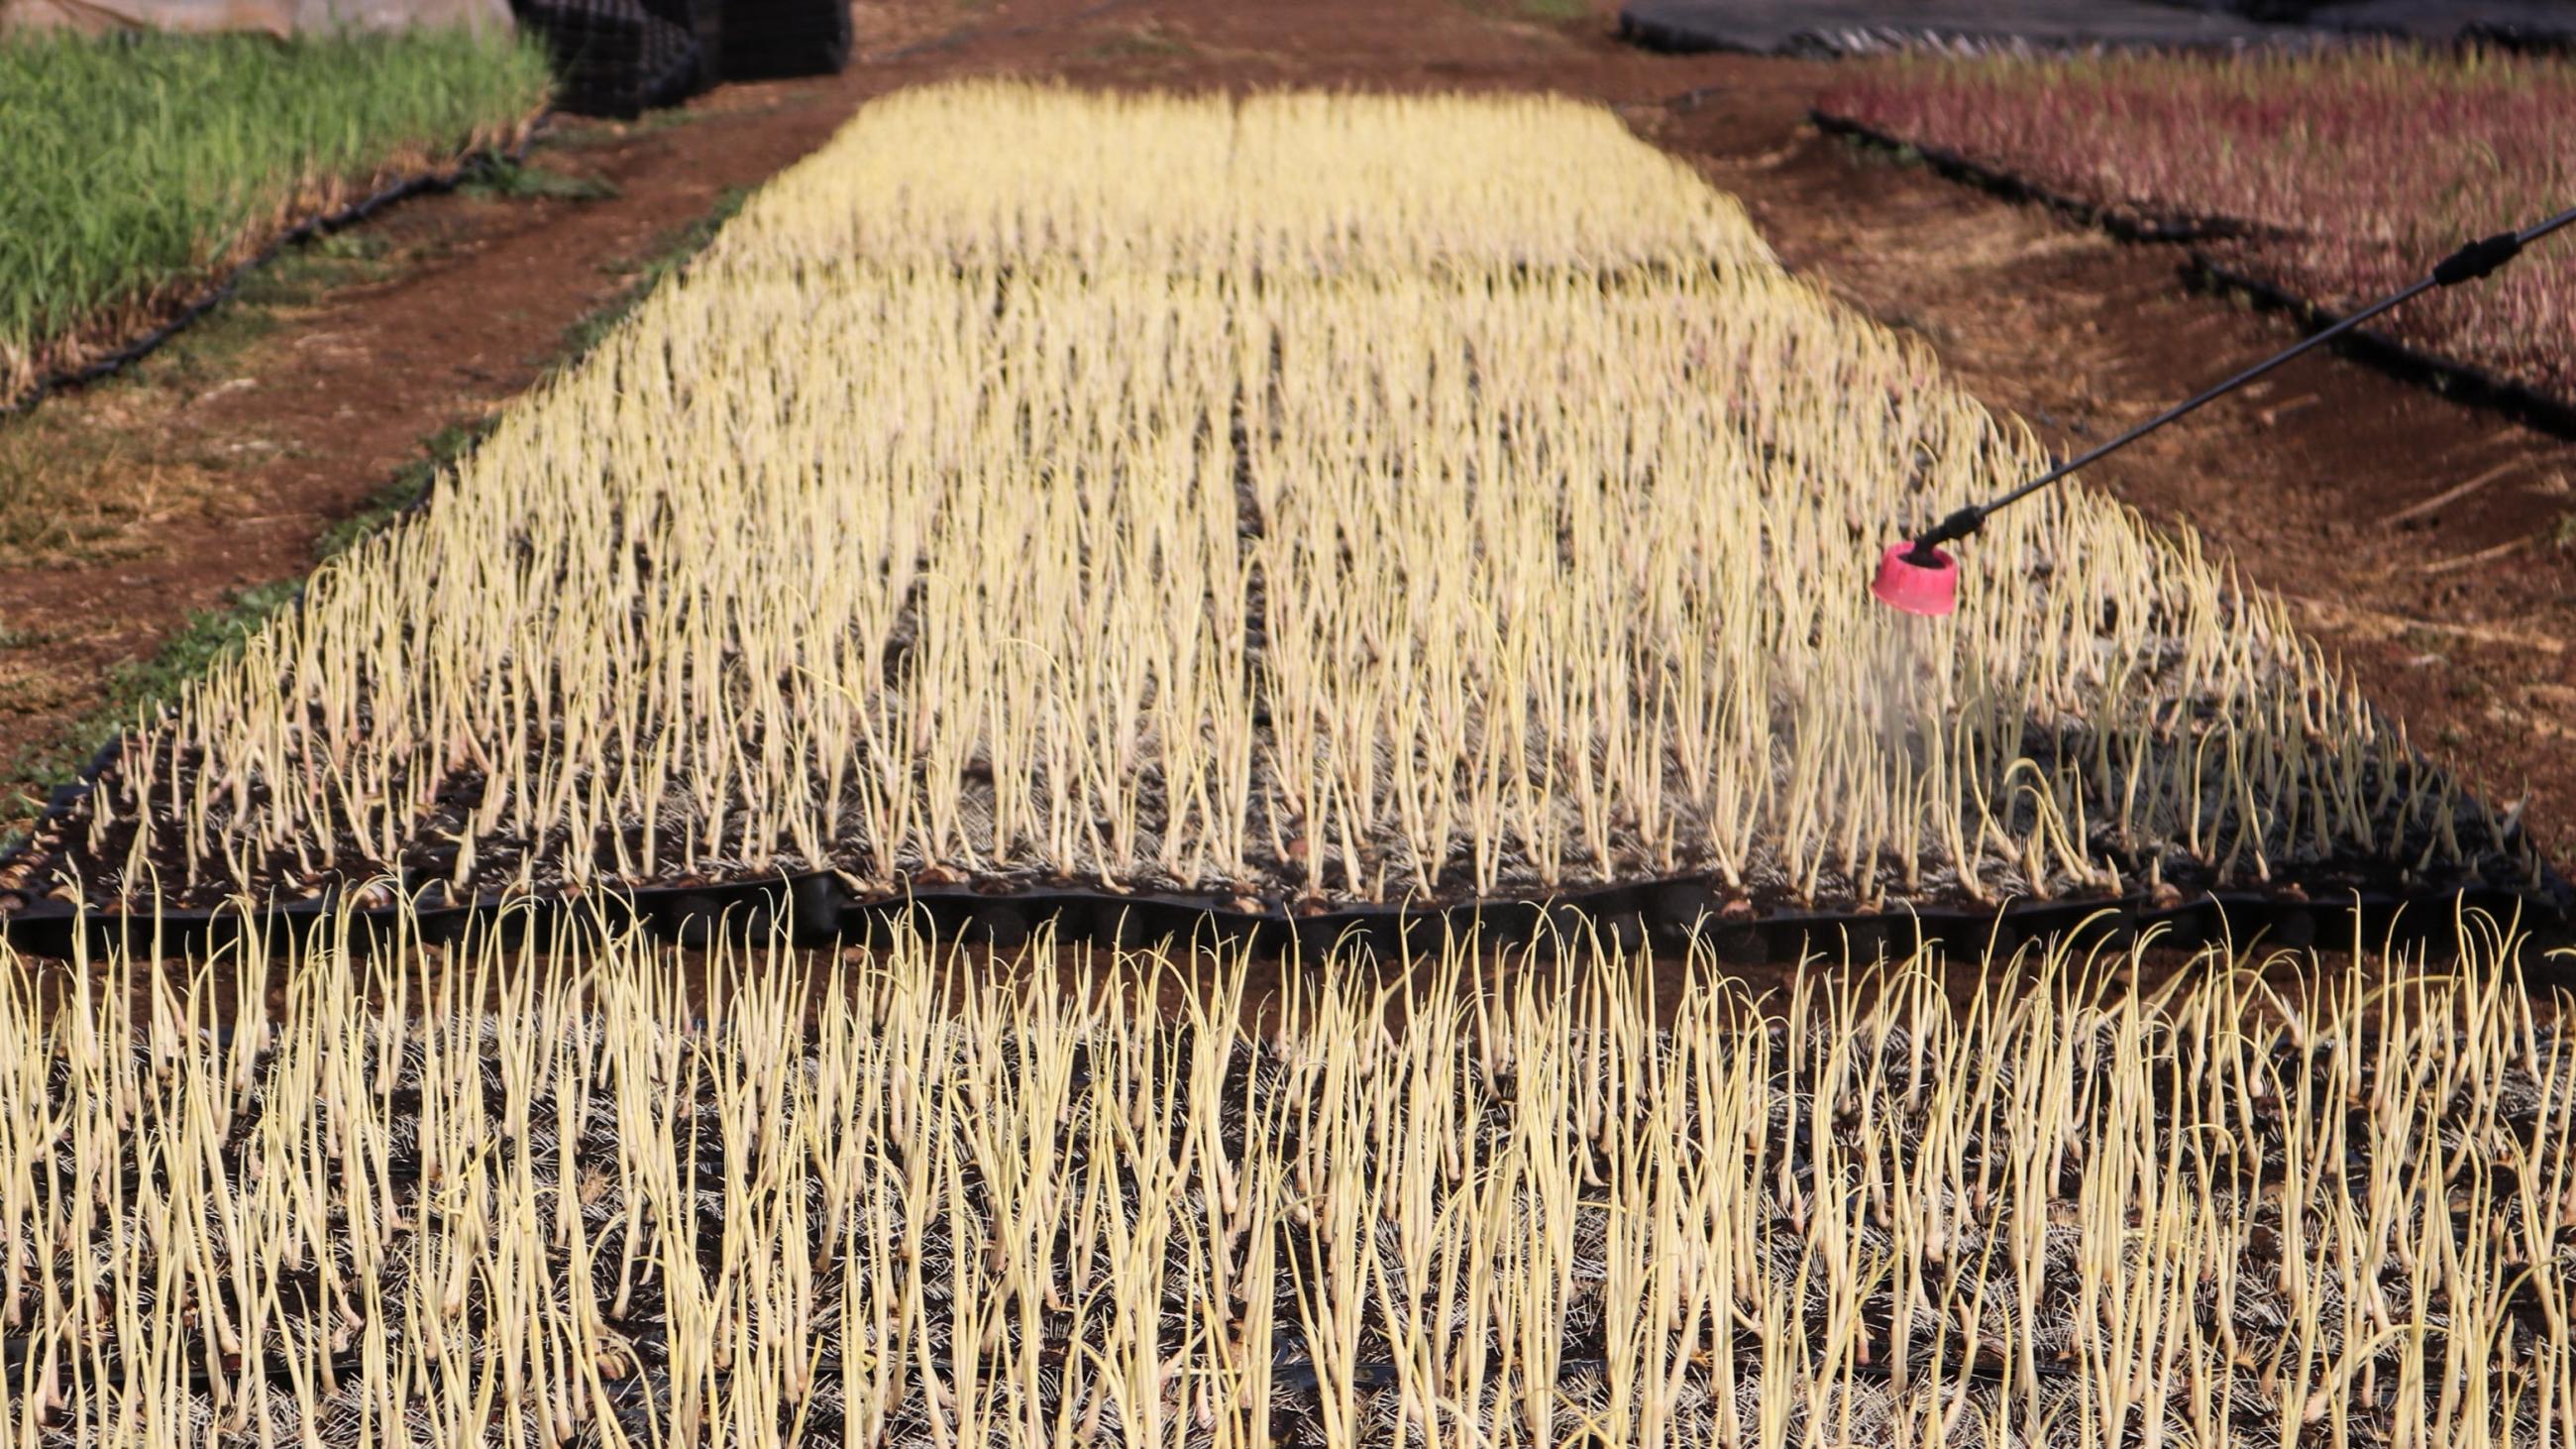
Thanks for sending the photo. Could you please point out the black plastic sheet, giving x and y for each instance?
(703, 20)
(1849, 27)
(2513, 24)
(1852, 27)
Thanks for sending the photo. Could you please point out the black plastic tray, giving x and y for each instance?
(818, 908)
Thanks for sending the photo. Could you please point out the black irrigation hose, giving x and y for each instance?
(441, 179)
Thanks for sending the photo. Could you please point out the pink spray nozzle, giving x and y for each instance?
(1916, 587)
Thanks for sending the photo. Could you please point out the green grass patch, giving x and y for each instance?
(1546, 12)
(564, 135)
(522, 181)
(133, 167)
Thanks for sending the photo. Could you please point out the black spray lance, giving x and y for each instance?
(1920, 578)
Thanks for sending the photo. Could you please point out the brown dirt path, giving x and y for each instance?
(2458, 620)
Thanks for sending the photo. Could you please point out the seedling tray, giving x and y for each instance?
(1780, 1109)
(817, 908)
(641, 1403)
(441, 828)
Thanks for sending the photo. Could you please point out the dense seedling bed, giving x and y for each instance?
(1310, 502)
(2334, 177)
(607, 1194)
(136, 170)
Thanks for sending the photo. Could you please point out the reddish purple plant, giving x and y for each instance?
(2353, 171)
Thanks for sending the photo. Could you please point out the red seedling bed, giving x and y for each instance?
(2327, 180)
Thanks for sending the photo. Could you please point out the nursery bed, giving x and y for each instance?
(1270, 676)
(2461, 381)
(137, 172)
(2332, 214)
(222, 288)
(459, 1197)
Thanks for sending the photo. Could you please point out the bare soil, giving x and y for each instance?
(2424, 540)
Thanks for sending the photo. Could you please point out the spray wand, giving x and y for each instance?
(1920, 578)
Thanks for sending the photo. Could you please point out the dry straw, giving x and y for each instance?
(591, 1191)
(1306, 499)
